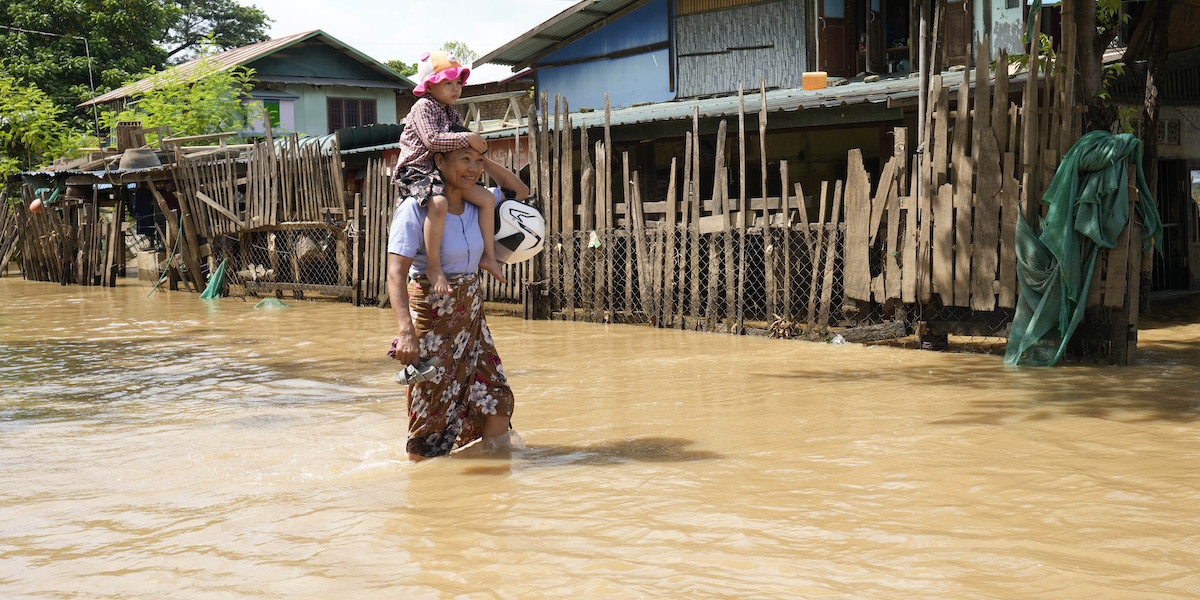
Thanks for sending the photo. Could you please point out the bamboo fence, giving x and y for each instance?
(857, 253)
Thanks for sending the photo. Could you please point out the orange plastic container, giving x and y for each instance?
(815, 80)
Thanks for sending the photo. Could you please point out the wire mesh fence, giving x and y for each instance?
(771, 281)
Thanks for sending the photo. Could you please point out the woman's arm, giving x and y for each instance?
(407, 349)
(505, 179)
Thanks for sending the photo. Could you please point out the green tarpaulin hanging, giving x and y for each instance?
(1089, 207)
(215, 282)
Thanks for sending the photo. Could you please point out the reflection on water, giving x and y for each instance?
(152, 445)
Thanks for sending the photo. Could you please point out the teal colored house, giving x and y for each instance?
(309, 83)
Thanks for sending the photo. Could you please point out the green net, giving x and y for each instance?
(215, 282)
(1089, 207)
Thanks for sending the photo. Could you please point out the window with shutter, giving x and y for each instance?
(350, 112)
(336, 121)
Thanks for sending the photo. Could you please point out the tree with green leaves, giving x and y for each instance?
(223, 24)
(31, 132)
(465, 55)
(401, 67)
(209, 101)
(50, 42)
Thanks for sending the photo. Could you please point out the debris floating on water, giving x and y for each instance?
(270, 303)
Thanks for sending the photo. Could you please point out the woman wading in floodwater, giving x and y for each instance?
(467, 397)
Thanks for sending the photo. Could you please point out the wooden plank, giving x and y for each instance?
(598, 311)
(1030, 181)
(644, 268)
(1000, 103)
(943, 244)
(555, 276)
(940, 133)
(815, 258)
(667, 292)
(626, 196)
(608, 205)
(963, 183)
(982, 115)
(1115, 274)
(567, 213)
(786, 242)
(720, 193)
(1010, 198)
(220, 209)
(714, 261)
(744, 222)
(909, 211)
(587, 207)
(686, 217)
(857, 275)
(769, 253)
(984, 257)
(891, 259)
(878, 206)
(694, 185)
(830, 253)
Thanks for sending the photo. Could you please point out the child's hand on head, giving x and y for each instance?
(477, 142)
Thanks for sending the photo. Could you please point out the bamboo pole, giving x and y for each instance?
(686, 217)
(736, 301)
(768, 246)
(784, 181)
(694, 185)
(668, 296)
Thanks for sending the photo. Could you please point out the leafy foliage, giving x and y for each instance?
(124, 38)
(121, 37)
(31, 133)
(466, 56)
(403, 68)
(210, 101)
(223, 24)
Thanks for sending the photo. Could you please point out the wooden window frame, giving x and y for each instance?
(343, 113)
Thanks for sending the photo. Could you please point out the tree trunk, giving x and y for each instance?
(1159, 15)
(1099, 115)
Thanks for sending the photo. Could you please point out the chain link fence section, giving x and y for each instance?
(303, 263)
(769, 281)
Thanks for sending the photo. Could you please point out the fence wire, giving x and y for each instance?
(774, 282)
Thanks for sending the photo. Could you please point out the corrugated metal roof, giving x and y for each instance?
(891, 91)
(563, 27)
(191, 70)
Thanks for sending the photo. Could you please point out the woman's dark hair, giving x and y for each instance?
(455, 129)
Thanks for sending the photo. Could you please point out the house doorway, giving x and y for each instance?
(1173, 268)
(860, 37)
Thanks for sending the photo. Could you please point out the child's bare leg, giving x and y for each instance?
(486, 202)
(435, 220)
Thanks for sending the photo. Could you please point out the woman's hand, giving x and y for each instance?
(408, 350)
(407, 347)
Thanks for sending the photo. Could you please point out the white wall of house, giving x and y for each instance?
(1006, 26)
(303, 109)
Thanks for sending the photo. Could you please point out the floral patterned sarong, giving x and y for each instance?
(449, 411)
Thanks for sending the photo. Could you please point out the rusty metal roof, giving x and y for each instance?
(192, 69)
(583, 17)
(891, 92)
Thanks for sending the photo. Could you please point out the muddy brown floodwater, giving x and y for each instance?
(168, 447)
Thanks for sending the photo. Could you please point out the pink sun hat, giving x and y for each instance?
(439, 66)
